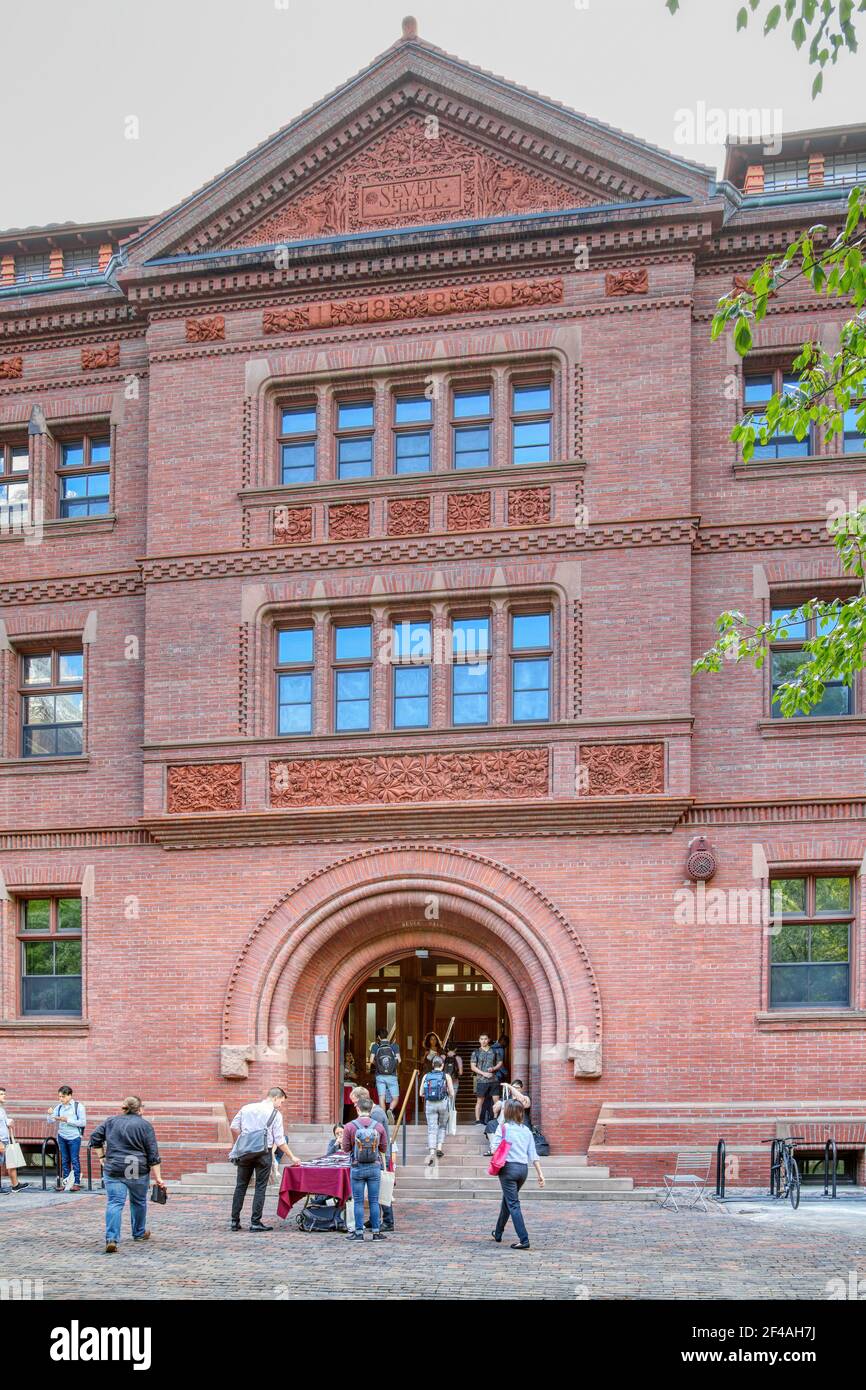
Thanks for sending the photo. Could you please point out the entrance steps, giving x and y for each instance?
(460, 1174)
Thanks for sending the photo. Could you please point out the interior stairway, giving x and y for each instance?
(461, 1174)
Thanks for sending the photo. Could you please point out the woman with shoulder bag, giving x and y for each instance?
(517, 1149)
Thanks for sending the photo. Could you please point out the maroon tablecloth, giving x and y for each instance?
(300, 1181)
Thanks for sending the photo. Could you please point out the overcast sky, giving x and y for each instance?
(208, 79)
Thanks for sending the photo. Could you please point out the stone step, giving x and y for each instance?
(421, 1185)
(438, 1192)
(555, 1164)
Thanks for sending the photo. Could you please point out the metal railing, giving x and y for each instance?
(830, 1158)
(721, 1166)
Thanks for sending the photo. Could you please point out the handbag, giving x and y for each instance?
(386, 1189)
(158, 1195)
(252, 1143)
(14, 1155)
(500, 1157)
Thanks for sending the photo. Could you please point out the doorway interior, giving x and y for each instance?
(415, 996)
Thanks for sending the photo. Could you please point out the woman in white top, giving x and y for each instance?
(514, 1173)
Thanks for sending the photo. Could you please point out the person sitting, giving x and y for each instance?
(335, 1144)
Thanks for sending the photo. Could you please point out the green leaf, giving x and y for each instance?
(817, 85)
(742, 19)
(772, 18)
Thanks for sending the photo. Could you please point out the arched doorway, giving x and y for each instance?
(303, 961)
(411, 998)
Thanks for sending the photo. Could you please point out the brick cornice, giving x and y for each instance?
(781, 811)
(83, 586)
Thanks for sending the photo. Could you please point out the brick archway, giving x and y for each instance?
(304, 959)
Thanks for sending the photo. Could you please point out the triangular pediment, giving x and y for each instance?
(417, 139)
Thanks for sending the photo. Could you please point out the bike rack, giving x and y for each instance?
(830, 1158)
(49, 1139)
(775, 1171)
(720, 1170)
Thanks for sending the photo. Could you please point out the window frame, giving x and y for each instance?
(458, 616)
(471, 422)
(54, 650)
(778, 375)
(411, 427)
(793, 644)
(530, 417)
(25, 937)
(339, 665)
(810, 917)
(408, 662)
(8, 478)
(284, 441)
(856, 435)
(88, 438)
(516, 654)
(350, 433)
(294, 668)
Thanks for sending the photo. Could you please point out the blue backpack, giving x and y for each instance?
(366, 1147)
(435, 1085)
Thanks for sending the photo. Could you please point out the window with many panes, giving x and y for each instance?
(49, 940)
(353, 674)
(52, 703)
(295, 661)
(787, 655)
(470, 670)
(355, 423)
(531, 423)
(411, 652)
(471, 426)
(81, 260)
(757, 389)
(85, 476)
(786, 175)
(845, 168)
(33, 267)
(298, 439)
(413, 434)
(810, 950)
(14, 485)
(530, 667)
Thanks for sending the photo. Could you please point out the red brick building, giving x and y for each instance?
(361, 518)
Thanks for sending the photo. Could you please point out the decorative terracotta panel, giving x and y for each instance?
(528, 506)
(468, 511)
(11, 368)
(408, 516)
(623, 769)
(96, 359)
(349, 521)
(618, 282)
(204, 787)
(383, 308)
(210, 329)
(293, 525)
(413, 777)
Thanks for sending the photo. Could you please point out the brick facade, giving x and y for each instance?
(238, 885)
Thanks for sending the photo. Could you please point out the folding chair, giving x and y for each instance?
(689, 1179)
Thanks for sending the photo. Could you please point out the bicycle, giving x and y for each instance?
(783, 1161)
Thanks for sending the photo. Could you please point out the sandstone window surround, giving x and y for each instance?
(432, 418)
(44, 683)
(458, 662)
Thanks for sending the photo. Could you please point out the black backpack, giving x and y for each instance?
(542, 1148)
(386, 1059)
(321, 1214)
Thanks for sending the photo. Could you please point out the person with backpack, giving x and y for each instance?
(438, 1095)
(385, 1060)
(367, 1142)
(71, 1119)
(127, 1145)
(378, 1116)
(259, 1127)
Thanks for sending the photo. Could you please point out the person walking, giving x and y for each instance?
(438, 1094)
(70, 1117)
(513, 1174)
(367, 1142)
(7, 1139)
(127, 1145)
(262, 1124)
(482, 1064)
(385, 1060)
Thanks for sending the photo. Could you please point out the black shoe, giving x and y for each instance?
(355, 1235)
(518, 1245)
(20, 1188)
(377, 1235)
(258, 1226)
(235, 1226)
(440, 1153)
(497, 1238)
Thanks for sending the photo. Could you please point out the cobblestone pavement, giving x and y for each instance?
(441, 1250)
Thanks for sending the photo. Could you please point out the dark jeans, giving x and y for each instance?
(511, 1178)
(69, 1151)
(366, 1177)
(261, 1166)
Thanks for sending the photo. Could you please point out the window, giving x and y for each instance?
(786, 175)
(353, 654)
(845, 168)
(49, 936)
(470, 426)
(787, 655)
(412, 648)
(810, 955)
(34, 267)
(14, 485)
(85, 477)
(295, 680)
(298, 444)
(83, 260)
(470, 671)
(757, 390)
(531, 414)
(52, 702)
(355, 439)
(530, 667)
(854, 440)
(413, 433)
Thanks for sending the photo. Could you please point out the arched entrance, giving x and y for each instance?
(411, 998)
(301, 964)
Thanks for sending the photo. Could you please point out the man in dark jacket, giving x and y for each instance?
(127, 1145)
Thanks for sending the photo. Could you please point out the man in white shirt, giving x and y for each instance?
(261, 1115)
(6, 1138)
